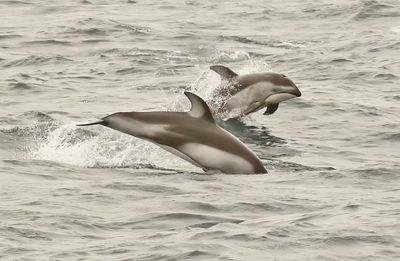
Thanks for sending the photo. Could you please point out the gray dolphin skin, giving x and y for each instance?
(192, 136)
(254, 92)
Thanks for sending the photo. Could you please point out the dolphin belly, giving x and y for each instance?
(213, 158)
(280, 97)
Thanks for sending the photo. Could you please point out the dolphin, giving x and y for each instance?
(192, 136)
(254, 91)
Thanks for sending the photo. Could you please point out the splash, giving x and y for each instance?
(99, 148)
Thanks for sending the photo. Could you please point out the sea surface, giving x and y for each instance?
(92, 193)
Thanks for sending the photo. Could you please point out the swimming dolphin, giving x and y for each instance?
(192, 136)
(254, 91)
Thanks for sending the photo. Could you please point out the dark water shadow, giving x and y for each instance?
(251, 134)
(272, 150)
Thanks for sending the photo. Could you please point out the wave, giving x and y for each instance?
(375, 9)
(172, 219)
(386, 76)
(46, 42)
(9, 36)
(326, 10)
(288, 44)
(103, 27)
(87, 31)
(37, 60)
(383, 174)
(14, 2)
(134, 29)
(348, 240)
(392, 137)
(21, 86)
(31, 234)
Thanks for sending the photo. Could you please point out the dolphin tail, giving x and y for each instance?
(92, 123)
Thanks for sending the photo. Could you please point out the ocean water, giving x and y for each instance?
(333, 155)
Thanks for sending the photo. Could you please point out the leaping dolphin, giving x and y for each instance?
(192, 136)
(254, 91)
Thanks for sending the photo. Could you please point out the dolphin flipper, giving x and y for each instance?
(272, 107)
(255, 106)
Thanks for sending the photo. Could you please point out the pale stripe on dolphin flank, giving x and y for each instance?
(179, 154)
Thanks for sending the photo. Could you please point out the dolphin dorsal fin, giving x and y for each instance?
(199, 107)
(224, 72)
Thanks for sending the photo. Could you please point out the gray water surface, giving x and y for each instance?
(333, 155)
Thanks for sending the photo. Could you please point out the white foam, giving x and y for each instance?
(105, 148)
(228, 56)
(395, 29)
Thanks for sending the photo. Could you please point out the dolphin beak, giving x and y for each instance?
(296, 92)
